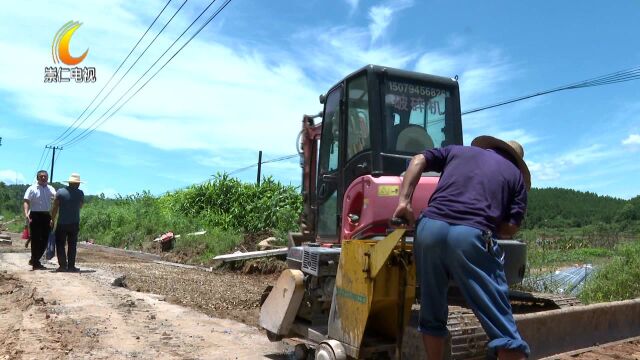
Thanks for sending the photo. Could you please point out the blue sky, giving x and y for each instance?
(244, 82)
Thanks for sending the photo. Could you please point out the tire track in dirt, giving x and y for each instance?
(81, 316)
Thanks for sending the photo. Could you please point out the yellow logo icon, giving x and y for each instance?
(60, 45)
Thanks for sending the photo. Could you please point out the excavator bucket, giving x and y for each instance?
(281, 305)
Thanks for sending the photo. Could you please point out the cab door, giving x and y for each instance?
(329, 168)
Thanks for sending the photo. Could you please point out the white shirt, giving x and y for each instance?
(40, 197)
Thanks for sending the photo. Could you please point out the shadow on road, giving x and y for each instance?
(73, 272)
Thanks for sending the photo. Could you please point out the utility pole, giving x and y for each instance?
(53, 159)
(259, 166)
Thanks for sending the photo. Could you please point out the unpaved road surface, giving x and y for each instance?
(165, 312)
(627, 350)
(50, 315)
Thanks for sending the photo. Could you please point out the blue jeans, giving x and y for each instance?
(446, 251)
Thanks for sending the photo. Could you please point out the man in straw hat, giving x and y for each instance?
(68, 202)
(482, 191)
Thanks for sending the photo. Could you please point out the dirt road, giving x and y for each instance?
(627, 349)
(165, 312)
(44, 314)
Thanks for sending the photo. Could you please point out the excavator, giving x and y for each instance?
(349, 291)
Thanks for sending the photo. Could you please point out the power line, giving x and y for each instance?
(62, 138)
(86, 132)
(242, 169)
(612, 78)
(282, 158)
(42, 156)
(71, 128)
(80, 137)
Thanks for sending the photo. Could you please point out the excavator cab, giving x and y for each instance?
(373, 122)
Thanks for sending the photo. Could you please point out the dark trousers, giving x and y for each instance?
(39, 230)
(67, 233)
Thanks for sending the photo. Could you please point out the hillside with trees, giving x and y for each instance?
(562, 208)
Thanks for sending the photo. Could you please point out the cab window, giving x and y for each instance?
(416, 114)
(358, 117)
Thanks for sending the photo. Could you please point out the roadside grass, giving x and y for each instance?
(615, 256)
(128, 222)
(13, 223)
(228, 210)
(202, 248)
(540, 258)
(619, 279)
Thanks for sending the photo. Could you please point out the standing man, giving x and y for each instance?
(68, 202)
(482, 191)
(36, 206)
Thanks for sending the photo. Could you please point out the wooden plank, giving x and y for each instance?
(251, 255)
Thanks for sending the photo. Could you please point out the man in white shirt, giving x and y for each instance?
(36, 206)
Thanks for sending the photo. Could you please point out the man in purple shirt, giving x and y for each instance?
(482, 191)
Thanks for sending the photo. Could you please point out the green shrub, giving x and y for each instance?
(617, 280)
(227, 203)
(225, 207)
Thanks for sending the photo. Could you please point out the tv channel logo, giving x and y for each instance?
(61, 54)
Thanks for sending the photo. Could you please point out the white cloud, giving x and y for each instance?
(382, 15)
(633, 139)
(543, 171)
(559, 165)
(220, 98)
(586, 155)
(194, 103)
(481, 72)
(353, 4)
(380, 19)
(11, 177)
(331, 53)
(11, 133)
(519, 135)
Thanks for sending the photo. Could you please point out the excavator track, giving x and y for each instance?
(468, 339)
(540, 301)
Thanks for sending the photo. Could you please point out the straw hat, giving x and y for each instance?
(511, 147)
(74, 178)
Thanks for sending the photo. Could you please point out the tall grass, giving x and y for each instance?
(617, 280)
(227, 203)
(224, 206)
(601, 245)
(202, 248)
